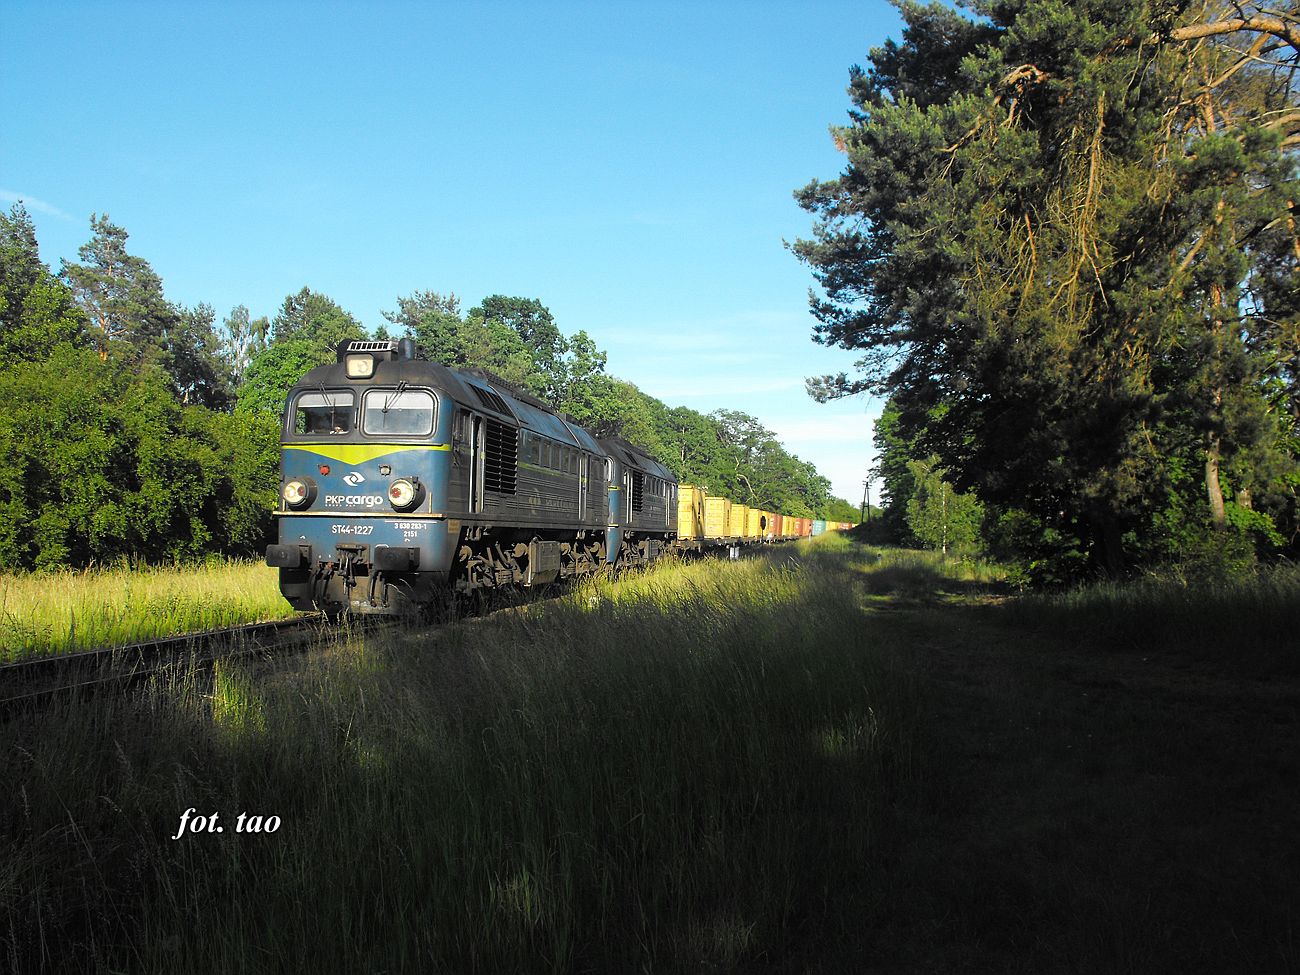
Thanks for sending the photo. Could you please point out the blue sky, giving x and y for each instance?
(630, 164)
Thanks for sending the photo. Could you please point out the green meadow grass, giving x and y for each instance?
(671, 771)
(823, 758)
(1251, 619)
(899, 575)
(59, 612)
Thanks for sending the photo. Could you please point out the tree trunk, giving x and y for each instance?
(1109, 541)
(1213, 487)
(1213, 441)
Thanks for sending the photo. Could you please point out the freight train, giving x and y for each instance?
(405, 481)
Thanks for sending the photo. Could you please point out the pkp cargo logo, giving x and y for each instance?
(353, 479)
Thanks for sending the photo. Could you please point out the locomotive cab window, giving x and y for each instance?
(323, 413)
(405, 413)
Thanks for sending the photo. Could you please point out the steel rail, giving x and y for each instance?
(39, 680)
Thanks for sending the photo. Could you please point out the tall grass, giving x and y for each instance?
(674, 771)
(912, 573)
(1251, 617)
(57, 612)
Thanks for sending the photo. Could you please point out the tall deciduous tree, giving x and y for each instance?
(442, 335)
(242, 338)
(942, 518)
(433, 320)
(315, 317)
(305, 333)
(533, 322)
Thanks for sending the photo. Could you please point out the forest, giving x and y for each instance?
(141, 431)
(1065, 244)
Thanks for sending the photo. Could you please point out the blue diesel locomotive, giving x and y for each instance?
(404, 481)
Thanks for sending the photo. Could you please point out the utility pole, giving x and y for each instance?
(866, 491)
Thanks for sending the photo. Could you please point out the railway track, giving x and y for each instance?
(40, 681)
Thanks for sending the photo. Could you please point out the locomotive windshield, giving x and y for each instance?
(403, 413)
(323, 413)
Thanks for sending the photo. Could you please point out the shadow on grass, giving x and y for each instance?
(1247, 623)
(1083, 810)
(925, 585)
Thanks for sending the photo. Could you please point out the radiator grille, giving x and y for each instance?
(491, 399)
(501, 457)
(638, 490)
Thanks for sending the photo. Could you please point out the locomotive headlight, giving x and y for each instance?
(404, 493)
(298, 492)
(360, 366)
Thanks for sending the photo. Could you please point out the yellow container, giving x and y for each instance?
(690, 511)
(739, 524)
(717, 517)
(760, 523)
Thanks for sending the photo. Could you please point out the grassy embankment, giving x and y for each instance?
(59, 612)
(675, 769)
(830, 759)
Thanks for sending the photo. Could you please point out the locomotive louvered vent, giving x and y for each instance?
(501, 459)
(358, 346)
(491, 400)
(638, 489)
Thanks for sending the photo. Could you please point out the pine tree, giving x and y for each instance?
(1042, 254)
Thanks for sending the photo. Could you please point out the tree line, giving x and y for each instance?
(1065, 243)
(137, 429)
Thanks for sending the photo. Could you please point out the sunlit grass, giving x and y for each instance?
(894, 573)
(57, 612)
